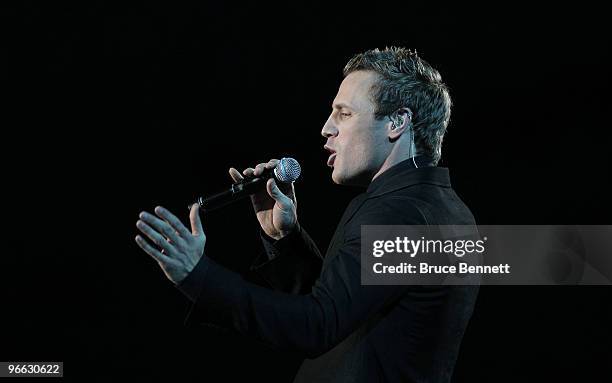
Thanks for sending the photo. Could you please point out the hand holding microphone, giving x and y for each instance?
(178, 249)
(275, 205)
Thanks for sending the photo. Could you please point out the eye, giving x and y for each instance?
(345, 115)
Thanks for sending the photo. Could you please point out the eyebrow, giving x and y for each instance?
(341, 105)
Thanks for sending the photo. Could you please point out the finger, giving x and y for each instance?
(155, 237)
(289, 191)
(153, 252)
(196, 222)
(235, 174)
(272, 163)
(278, 196)
(162, 227)
(259, 169)
(248, 172)
(173, 221)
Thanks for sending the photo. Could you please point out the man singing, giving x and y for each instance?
(385, 134)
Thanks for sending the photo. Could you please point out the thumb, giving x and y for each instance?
(277, 195)
(196, 223)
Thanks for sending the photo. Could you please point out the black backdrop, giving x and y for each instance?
(111, 110)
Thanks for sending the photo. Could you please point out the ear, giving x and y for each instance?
(399, 122)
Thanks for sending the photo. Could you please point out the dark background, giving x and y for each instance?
(111, 110)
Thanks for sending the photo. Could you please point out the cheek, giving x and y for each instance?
(358, 148)
(351, 160)
(355, 144)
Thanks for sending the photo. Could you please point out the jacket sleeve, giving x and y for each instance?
(310, 324)
(291, 264)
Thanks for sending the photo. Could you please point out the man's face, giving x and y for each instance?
(357, 142)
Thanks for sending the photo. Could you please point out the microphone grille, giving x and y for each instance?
(287, 170)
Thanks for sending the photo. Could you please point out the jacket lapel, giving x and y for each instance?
(338, 237)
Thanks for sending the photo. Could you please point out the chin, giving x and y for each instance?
(340, 178)
(336, 177)
(354, 178)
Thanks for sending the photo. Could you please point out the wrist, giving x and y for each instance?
(284, 233)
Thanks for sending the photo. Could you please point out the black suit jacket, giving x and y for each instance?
(317, 306)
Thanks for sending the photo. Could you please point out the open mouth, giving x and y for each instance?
(331, 159)
(332, 155)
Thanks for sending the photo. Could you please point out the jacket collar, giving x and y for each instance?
(404, 174)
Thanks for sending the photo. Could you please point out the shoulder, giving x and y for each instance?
(385, 210)
(390, 210)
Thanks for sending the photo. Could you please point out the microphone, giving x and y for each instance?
(287, 170)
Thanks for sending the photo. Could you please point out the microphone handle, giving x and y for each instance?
(237, 192)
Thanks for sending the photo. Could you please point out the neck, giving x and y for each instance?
(395, 157)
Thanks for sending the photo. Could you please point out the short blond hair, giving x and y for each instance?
(408, 81)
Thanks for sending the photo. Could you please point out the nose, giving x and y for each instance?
(329, 129)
